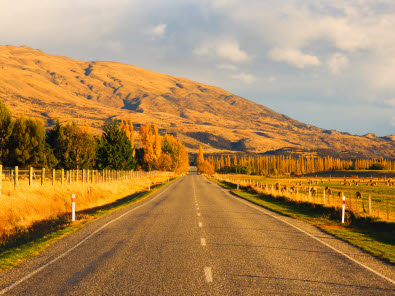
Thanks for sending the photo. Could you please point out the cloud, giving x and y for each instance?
(293, 57)
(231, 50)
(225, 49)
(393, 121)
(337, 62)
(227, 67)
(246, 78)
(159, 30)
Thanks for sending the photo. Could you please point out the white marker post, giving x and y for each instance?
(149, 186)
(238, 183)
(343, 208)
(73, 207)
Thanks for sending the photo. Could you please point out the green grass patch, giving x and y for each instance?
(29, 242)
(369, 234)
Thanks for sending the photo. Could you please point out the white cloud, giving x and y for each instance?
(231, 50)
(225, 49)
(246, 78)
(393, 121)
(227, 67)
(337, 62)
(293, 57)
(159, 30)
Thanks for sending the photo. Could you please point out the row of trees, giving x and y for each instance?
(274, 165)
(25, 142)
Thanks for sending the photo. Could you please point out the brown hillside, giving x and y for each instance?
(49, 86)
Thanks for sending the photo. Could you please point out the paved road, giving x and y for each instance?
(193, 238)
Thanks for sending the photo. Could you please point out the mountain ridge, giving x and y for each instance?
(50, 86)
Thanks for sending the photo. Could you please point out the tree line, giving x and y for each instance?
(282, 165)
(25, 141)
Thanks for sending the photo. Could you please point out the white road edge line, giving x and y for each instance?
(203, 241)
(208, 274)
(6, 289)
(312, 236)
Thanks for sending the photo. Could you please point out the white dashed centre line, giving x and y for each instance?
(208, 274)
(198, 214)
(203, 241)
(200, 224)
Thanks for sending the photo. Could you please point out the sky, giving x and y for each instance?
(327, 63)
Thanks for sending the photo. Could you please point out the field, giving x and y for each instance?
(24, 205)
(377, 198)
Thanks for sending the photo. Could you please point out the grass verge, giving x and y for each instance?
(28, 242)
(375, 237)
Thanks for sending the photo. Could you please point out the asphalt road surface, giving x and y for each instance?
(193, 238)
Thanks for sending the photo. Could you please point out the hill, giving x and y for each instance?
(49, 86)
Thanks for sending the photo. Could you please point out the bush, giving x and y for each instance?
(376, 167)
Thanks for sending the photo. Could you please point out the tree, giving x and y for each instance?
(73, 145)
(114, 149)
(147, 142)
(6, 126)
(200, 157)
(127, 126)
(27, 144)
(177, 152)
(165, 162)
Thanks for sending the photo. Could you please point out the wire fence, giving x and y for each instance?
(375, 205)
(33, 176)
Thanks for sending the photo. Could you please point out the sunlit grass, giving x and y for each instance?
(369, 234)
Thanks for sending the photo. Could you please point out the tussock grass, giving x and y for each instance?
(26, 205)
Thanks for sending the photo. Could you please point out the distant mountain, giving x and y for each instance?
(48, 86)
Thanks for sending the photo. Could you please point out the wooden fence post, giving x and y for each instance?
(31, 173)
(53, 176)
(370, 205)
(42, 176)
(16, 176)
(324, 194)
(62, 177)
(83, 176)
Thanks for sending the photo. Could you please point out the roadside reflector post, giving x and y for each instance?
(73, 207)
(168, 178)
(238, 183)
(149, 186)
(62, 177)
(343, 208)
(324, 195)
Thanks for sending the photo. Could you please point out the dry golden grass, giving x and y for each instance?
(22, 207)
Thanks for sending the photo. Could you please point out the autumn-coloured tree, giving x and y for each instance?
(127, 126)
(200, 156)
(147, 143)
(157, 145)
(177, 152)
